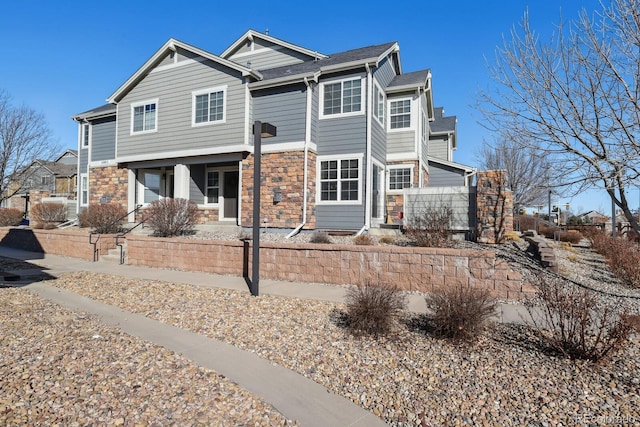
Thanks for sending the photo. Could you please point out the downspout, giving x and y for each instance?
(420, 142)
(367, 198)
(307, 139)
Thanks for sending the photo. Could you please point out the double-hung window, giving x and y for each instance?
(339, 179)
(400, 114)
(144, 116)
(209, 106)
(85, 135)
(378, 104)
(341, 98)
(84, 189)
(400, 178)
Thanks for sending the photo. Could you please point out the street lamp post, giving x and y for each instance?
(260, 130)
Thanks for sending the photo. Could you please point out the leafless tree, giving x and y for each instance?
(24, 137)
(527, 173)
(574, 99)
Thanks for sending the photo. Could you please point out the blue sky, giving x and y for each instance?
(64, 57)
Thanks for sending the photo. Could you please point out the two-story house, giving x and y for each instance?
(352, 133)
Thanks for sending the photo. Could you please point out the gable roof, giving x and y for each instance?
(171, 46)
(69, 151)
(349, 59)
(454, 165)
(442, 125)
(410, 81)
(250, 35)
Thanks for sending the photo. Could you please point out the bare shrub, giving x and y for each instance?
(374, 308)
(622, 256)
(525, 222)
(387, 240)
(103, 218)
(172, 217)
(363, 239)
(45, 213)
(573, 322)
(570, 236)
(320, 237)
(431, 227)
(10, 216)
(460, 312)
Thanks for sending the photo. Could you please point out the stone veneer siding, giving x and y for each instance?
(395, 202)
(108, 185)
(411, 269)
(494, 207)
(283, 171)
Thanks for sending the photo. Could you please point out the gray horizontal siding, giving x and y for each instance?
(339, 217)
(83, 156)
(444, 176)
(173, 88)
(460, 200)
(384, 73)
(314, 113)
(342, 136)
(103, 139)
(68, 159)
(197, 184)
(438, 148)
(378, 140)
(285, 109)
(401, 142)
(268, 55)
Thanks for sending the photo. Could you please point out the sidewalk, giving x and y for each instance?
(295, 396)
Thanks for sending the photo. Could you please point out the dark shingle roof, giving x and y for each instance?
(415, 78)
(98, 111)
(309, 67)
(441, 123)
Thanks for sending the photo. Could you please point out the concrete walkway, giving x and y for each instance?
(295, 396)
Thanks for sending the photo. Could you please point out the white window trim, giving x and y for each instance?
(412, 122)
(359, 157)
(196, 93)
(323, 116)
(86, 131)
(84, 177)
(143, 103)
(399, 166)
(142, 185)
(206, 186)
(382, 119)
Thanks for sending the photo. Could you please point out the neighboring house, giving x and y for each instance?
(353, 131)
(443, 171)
(594, 217)
(43, 178)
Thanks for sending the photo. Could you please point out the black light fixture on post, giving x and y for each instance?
(260, 130)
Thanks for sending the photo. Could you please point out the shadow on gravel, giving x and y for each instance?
(421, 324)
(523, 337)
(17, 273)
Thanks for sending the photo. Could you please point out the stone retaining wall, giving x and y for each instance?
(412, 269)
(58, 242)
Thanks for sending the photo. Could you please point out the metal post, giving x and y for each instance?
(613, 218)
(549, 219)
(257, 154)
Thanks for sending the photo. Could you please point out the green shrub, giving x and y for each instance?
(172, 217)
(103, 218)
(374, 308)
(10, 216)
(460, 312)
(320, 237)
(431, 227)
(363, 239)
(43, 215)
(573, 322)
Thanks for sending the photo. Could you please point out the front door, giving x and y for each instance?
(230, 194)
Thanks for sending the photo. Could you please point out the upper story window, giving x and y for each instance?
(209, 106)
(45, 180)
(339, 179)
(378, 104)
(400, 114)
(85, 135)
(400, 177)
(341, 98)
(144, 116)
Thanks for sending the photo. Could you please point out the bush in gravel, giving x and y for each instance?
(460, 312)
(622, 256)
(43, 214)
(571, 236)
(572, 321)
(320, 237)
(172, 217)
(374, 308)
(387, 240)
(431, 227)
(10, 216)
(363, 239)
(103, 218)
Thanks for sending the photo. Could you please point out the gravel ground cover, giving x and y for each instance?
(409, 379)
(63, 368)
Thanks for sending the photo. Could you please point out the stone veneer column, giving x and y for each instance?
(108, 185)
(282, 171)
(494, 207)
